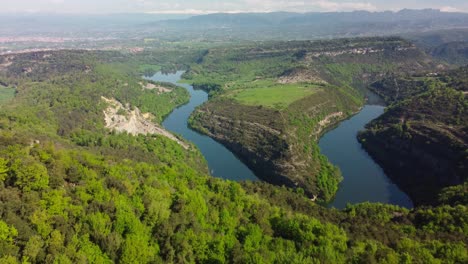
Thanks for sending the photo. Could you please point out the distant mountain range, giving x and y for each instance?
(312, 25)
(38, 23)
(426, 17)
(250, 26)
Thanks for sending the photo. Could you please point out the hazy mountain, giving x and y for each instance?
(222, 20)
(316, 25)
(427, 17)
(432, 39)
(252, 26)
(452, 52)
(45, 23)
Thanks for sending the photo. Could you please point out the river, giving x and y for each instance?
(221, 162)
(364, 180)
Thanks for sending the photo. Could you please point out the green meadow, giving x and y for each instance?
(149, 69)
(273, 95)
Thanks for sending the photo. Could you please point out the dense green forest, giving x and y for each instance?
(72, 191)
(422, 139)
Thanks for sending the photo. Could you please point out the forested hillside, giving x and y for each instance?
(453, 52)
(449, 45)
(73, 191)
(270, 103)
(422, 139)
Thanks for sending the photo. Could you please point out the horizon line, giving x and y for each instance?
(209, 12)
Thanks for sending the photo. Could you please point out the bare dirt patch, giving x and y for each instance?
(151, 86)
(328, 120)
(122, 118)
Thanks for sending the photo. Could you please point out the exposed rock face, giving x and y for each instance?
(358, 51)
(121, 118)
(301, 76)
(329, 119)
(158, 88)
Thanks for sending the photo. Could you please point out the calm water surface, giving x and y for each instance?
(222, 163)
(364, 180)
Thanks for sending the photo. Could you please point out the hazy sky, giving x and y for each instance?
(210, 6)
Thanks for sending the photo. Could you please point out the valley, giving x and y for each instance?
(98, 164)
(273, 127)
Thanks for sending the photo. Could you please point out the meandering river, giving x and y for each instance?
(221, 162)
(364, 180)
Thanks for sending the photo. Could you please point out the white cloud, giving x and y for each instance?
(450, 9)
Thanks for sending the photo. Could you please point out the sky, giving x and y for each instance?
(213, 6)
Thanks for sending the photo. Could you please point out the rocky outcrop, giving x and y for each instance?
(158, 88)
(301, 75)
(122, 118)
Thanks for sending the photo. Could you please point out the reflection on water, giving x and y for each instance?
(364, 180)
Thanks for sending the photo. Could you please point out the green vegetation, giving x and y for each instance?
(73, 192)
(397, 88)
(273, 95)
(271, 102)
(91, 208)
(148, 69)
(421, 140)
(454, 195)
(6, 94)
(160, 104)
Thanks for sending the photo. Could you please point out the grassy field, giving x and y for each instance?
(273, 95)
(6, 94)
